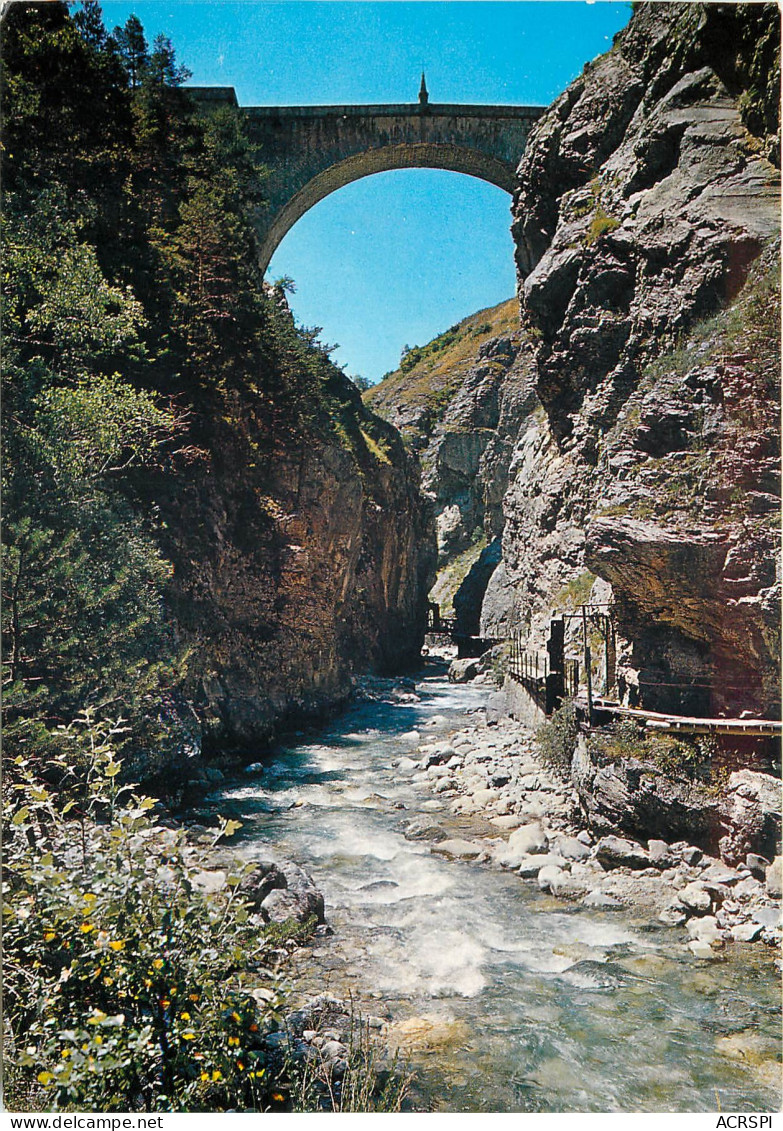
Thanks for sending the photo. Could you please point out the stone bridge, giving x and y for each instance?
(310, 151)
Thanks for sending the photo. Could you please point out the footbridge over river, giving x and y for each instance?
(311, 151)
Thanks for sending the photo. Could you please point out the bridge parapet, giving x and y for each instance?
(310, 151)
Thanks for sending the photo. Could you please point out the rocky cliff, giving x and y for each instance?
(302, 548)
(460, 404)
(645, 194)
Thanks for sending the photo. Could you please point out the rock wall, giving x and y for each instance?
(301, 556)
(643, 200)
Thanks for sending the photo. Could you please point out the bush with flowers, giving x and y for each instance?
(125, 986)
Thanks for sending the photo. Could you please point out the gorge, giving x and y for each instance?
(215, 542)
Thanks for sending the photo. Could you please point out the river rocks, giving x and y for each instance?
(527, 840)
(752, 810)
(300, 899)
(696, 898)
(614, 852)
(701, 949)
(601, 901)
(571, 848)
(423, 829)
(463, 670)
(673, 914)
(706, 929)
(263, 878)
(669, 883)
(774, 878)
(459, 849)
(757, 864)
(548, 876)
(531, 866)
(746, 932)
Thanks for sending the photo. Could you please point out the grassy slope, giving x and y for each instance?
(424, 389)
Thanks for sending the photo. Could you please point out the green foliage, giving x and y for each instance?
(455, 571)
(124, 984)
(682, 758)
(600, 224)
(557, 739)
(576, 592)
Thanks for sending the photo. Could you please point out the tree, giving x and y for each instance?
(133, 50)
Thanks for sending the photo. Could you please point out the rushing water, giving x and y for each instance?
(503, 998)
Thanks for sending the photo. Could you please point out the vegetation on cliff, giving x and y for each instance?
(415, 397)
(145, 362)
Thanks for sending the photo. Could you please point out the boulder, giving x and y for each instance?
(673, 915)
(705, 929)
(757, 864)
(462, 671)
(600, 901)
(746, 932)
(421, 828)
(638, 799)
(751, 809)
(528, 839)
(549, 876)
(283, 904)
(571, 848)
(265, 876)
(532, 865)
(774, 878)
(660, 855)
(695, 898)
(701, 949)
(615, 852)
(459, 849)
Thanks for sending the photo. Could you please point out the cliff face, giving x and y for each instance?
(643, 200)
(459, 402)
(303, 553)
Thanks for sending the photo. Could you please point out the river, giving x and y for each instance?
(504, 999)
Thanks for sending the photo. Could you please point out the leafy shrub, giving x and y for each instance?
(124, 986)
(557, 739)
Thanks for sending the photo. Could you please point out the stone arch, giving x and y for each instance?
(421, 155)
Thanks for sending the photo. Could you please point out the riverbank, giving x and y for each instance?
(494, 773)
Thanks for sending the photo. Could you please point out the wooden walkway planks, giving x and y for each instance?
(691, 725)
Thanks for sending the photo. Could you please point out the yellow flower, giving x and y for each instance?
(157, 963)
(86, 928)
(217, 1075)
(185, 1016)
(88, 897)
(278, 1098)
(98, 1040)
(108, 981)
(49, 936)
(236, 1016)
(188, 1036)
(204, 1075)
(117, 944)
(233, 1040)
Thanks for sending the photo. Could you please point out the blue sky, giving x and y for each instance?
(395, 258)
